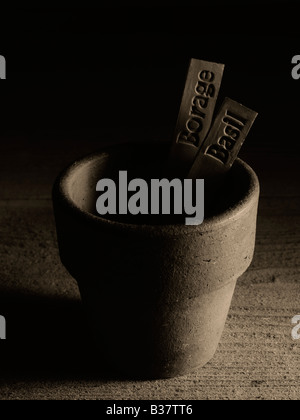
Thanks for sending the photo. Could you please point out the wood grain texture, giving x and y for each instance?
(257, 357)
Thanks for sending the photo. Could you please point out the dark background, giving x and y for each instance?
(81, 77)
(88, 68)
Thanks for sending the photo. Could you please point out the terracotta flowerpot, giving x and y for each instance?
(156, 295)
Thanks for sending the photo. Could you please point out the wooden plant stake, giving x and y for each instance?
(195, 115)
(224, 140)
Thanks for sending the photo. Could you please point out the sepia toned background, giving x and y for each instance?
(78, 79)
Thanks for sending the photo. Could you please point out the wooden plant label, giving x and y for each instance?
(195, 115)
(224, 140)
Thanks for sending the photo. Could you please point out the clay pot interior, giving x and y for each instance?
(147, 162)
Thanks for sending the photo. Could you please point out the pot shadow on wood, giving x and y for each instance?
(48, 339)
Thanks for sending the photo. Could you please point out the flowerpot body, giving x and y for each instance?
(156, 295)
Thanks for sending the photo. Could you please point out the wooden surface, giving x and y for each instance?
(48, 354)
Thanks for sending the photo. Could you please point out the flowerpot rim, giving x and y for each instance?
(243, 205)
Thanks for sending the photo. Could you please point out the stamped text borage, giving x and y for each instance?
(195, 115)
